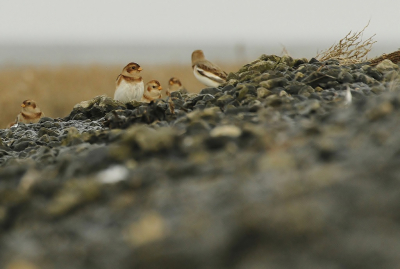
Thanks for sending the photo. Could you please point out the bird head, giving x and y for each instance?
(28, 104)
(154, 85)
(197, 55)
(174, 81)
(131, 69)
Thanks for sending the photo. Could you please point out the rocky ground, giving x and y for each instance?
(275, 169)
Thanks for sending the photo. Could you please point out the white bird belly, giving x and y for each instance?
(127, 92)
(206, 81)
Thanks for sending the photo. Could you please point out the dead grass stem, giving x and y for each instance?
(350, 49)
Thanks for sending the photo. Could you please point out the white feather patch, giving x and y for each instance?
(206, 78)
(127, 92)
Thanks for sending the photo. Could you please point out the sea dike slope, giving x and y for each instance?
(274, 169)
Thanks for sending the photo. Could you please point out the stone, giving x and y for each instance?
(45, 131)
(386, 65)
(226, 131)
(242, 167)
(211, 91)
(263, 92)
(46, 119)
(273, 83)
(378, 89)
(306, 91)
(308, 106)
(262, 66)
(224, 100)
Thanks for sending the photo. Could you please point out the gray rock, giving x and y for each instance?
(211, 91)
(386, 65)
(225, 99)
(263, 92)
(260, 160)
(273, 83)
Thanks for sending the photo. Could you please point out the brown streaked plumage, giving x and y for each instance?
(206, 72)
(30, 113)
(174, 84)
(129, 84)
(122, 77)
(152, 91)
(175, 81)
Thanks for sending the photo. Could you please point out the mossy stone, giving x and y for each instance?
(263, 92)
(225, 99)
(275, 82)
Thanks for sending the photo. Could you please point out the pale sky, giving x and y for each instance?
(204, 21)
(161, 31)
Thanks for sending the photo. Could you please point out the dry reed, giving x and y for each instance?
(394, 57)
(350, 49)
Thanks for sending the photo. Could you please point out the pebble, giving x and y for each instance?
(232, 171)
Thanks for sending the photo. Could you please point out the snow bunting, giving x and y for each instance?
(30, 113)
(206, 72)
(129, 85)
(174, 84)
(152, 92)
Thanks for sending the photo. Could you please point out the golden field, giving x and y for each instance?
(56, 89)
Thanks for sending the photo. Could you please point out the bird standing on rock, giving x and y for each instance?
(30, 113)
(129, 84)
(152, 91)
(206, 72)
(174, 84)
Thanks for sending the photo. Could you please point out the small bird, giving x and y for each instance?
(206, 72)
(152, 92)
(129, 85)
(174, 84)
(30, 113)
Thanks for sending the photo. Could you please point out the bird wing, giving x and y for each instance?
(152, 95)
(210, 71)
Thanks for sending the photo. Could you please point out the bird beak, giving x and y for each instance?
(23, 105)
(170, 83)
(140, 69)
(160, 88)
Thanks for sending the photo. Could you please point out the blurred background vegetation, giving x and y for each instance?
(58, 77)
(57, 88)
(62, 52)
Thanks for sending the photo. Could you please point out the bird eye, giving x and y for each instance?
(29, 103)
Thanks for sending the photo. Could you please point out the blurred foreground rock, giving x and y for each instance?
(271, 170)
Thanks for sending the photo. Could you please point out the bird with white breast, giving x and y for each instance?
(206, 72)
(129, 84)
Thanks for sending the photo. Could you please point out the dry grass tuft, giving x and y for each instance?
(284, 51)
(350, 49)
(394, 57)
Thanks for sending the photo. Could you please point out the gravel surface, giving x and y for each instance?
(274, 169)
